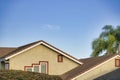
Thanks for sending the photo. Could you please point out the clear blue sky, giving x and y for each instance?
(70, 25)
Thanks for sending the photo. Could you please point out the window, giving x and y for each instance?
(29, 69)
(6, 66)
(60, 58)
(42, 67)
(117, 62)
(36, 68)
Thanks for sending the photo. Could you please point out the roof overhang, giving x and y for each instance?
(49, 46)
(95, 67)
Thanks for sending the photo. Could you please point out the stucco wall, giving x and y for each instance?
(100, 70)
(42, 53)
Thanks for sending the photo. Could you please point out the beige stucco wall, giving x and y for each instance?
(42, 53)
(99, 71)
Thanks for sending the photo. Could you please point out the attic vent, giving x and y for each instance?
(60, 58)
(117, 62)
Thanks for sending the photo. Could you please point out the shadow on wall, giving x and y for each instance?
(114, 75)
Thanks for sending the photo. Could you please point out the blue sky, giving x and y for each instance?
(70, 25)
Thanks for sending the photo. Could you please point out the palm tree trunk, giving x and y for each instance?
(108, 52)
(118, 48)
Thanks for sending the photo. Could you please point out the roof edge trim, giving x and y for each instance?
(49, 46)
(95, 67)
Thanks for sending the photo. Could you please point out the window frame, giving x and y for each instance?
(29, 67)
(46, 67)
(39, 64)
(38, 68)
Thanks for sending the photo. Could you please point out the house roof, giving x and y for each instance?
(41, 42)
(89, 63)
(5, 51)
(20, 49)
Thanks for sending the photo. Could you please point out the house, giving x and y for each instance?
(96, 68)
(42, 57)
(38, 56)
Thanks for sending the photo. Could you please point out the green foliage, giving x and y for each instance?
(22, 75)
(109, 41)
(99, 46)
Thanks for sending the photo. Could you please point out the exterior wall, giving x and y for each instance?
(42, 53)
(99, 71)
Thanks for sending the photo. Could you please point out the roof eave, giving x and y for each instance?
(49, 46)
(94, 67)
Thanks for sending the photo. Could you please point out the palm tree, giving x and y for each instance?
(109, 41)
(117, 35)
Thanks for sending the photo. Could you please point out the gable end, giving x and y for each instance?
(47, 45)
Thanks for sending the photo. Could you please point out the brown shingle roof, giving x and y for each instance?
(21, 48)
(88, 64)
(5, 51)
